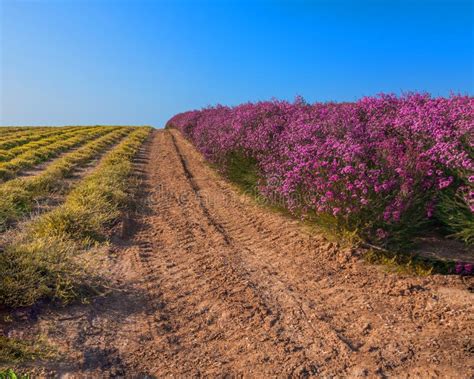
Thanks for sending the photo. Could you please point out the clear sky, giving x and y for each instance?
(140, 62)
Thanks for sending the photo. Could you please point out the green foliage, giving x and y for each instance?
(407, 263)
(14, 351)
(243, 171)
(453, 211)
(10, 374)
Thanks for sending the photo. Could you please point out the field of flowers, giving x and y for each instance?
(384, 168)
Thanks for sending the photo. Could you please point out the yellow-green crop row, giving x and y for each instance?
(9, 148)
(8, 132)
(58, 135)
(18, 196)
(36, 143)
(42, 261)
(4, 130)
(18, 139)
(59, 144)
(34, 137)
(26, 132)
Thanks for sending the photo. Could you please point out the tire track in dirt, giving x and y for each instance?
(270, 285)
(201, 284)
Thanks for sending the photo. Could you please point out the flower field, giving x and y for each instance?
(384, 168)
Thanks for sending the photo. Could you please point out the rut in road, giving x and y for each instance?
(211, 284)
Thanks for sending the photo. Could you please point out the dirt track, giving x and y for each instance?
(209, 284)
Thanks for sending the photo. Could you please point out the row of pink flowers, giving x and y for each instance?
(376, 165)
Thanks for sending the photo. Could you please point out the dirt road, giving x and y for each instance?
(208, 284)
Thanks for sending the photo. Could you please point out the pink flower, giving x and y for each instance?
(468, 268)
(381, 234)
(445, 182)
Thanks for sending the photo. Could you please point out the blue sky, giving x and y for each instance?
(138, 62)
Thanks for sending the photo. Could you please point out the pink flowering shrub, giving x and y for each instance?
(381, 167)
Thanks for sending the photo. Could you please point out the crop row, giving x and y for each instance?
(25, 137)
(4, 130)
(43, 259)
(18, 196)
(8, 132)
(56, 145)
(37, 140)
(384, 168)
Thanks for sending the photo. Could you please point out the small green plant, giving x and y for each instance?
(14, 351)
(407, 263)
(10, 374)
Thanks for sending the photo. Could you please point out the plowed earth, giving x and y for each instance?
(206, 283)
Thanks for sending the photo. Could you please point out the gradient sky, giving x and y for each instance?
(140, 62)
